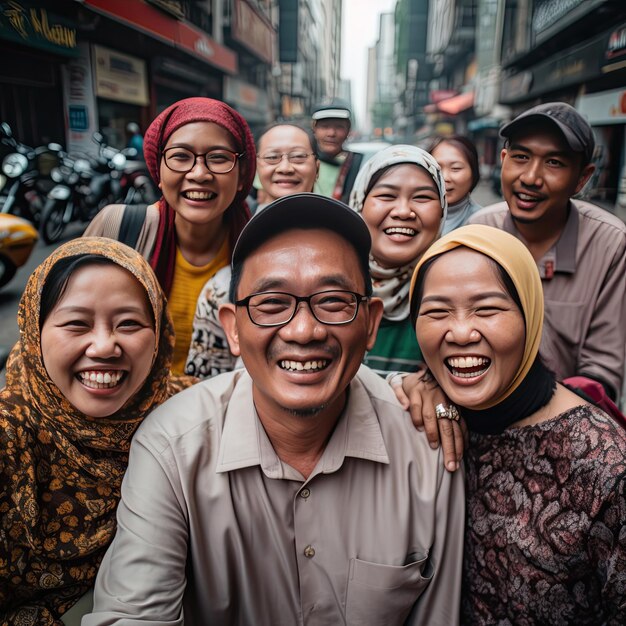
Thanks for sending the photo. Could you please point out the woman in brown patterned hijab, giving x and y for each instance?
(62, 462)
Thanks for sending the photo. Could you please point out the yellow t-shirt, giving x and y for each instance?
(186, 287)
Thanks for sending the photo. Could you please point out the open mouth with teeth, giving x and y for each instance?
(468, 366)
(301, 366)
(527, 199)
(402, 231)
(101, 379)
(199, 195)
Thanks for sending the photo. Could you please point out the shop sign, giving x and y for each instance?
(80, 102)
(253, 31)
(120, 77)
(615, 53)
(249, 100)
(605, 107)
(37, 27)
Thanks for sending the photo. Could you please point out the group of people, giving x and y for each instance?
(296, 485)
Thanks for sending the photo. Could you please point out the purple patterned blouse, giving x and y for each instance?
(546, 527)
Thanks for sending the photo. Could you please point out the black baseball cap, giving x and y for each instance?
(304, 210)
(566, 118)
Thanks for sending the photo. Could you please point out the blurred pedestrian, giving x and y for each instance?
(458, 159)
(287, 161)
(579, 248)
(400, 192)
(201, 154)
(338, 167)
(92, 361)
(135, 138)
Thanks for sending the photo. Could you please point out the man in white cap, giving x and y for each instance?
(338, 167)
(580, 249)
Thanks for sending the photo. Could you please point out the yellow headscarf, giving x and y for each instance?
(518, 263)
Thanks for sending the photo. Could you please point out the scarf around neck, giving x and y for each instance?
(62, 470)
(459, 214)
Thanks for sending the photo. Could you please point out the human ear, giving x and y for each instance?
(585, 175)
(228, 319)
(376, 309)
(502, 155)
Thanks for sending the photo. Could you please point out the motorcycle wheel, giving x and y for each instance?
(52, 225)
(7, 270)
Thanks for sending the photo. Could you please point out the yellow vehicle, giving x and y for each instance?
(17, 240)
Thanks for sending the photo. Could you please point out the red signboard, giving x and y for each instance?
(178, 34)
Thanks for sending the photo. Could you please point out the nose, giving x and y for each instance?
(285, 165)
(462, 332)
(447, 174)
(532, 174)
(103, 344)
(199, 169)
(402, 209)
(303, 327)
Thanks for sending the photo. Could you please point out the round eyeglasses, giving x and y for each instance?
(182, 160)
(275, 308)
(296, 158)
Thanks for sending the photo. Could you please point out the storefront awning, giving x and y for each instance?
(174, 32)
(456, 104)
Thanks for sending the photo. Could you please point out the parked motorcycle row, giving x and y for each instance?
(44, 189)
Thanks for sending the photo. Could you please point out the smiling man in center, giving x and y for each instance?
(296, 490)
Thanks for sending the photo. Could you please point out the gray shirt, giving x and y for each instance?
(213, 528)
(584, 287)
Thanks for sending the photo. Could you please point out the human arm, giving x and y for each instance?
(419, 393)
(142, 577)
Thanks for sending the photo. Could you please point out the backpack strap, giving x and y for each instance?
(132, 222)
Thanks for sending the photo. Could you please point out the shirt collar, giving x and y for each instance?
(564, 250)
(244, 442)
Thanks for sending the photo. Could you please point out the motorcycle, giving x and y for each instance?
(84, 186)
(17, 240)
(24, 178)
(137, 184)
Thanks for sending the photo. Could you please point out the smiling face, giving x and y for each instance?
(286, 177)
(456, 170)
(98, 340)
(403, 213)
(540, 173)
(200, 197)
(469, 328)
(304, 366)
(330, 135)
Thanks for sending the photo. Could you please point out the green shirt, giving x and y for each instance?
(396, 348)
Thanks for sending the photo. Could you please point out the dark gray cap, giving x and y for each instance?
(566, 118)
(331, 109)
(304, 210)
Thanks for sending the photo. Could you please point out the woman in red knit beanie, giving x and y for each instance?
(201, 154)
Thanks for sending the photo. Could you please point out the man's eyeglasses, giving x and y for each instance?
(182, 160)
(296, 158)
(275, 308)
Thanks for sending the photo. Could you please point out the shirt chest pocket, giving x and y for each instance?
(383, 594)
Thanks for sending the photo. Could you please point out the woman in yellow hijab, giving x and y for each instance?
(546, 472)
(93, 359)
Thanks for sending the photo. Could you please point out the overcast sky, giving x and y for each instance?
(359, 31)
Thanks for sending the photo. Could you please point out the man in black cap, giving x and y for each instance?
(296, 490)
(338, 167)
(580, 249)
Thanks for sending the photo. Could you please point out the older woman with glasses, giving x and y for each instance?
(201, 154)
(287, 161)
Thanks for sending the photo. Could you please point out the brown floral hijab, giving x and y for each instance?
(60, 470)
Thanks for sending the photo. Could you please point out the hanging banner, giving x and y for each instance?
(120, 77)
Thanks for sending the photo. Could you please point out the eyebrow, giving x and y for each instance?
(523, 148)
(330, 281)
(396, 187)
(91, 310)
(481, 296)
(191, 148)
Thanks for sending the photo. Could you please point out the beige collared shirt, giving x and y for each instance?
(584, 287)
(215, 529)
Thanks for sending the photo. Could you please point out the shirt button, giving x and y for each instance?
(305, 493)
(309, 552)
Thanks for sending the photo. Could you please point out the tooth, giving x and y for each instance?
(99, 377)
(299, 366)
(308, 365)
(107, 377)
(92, 377)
